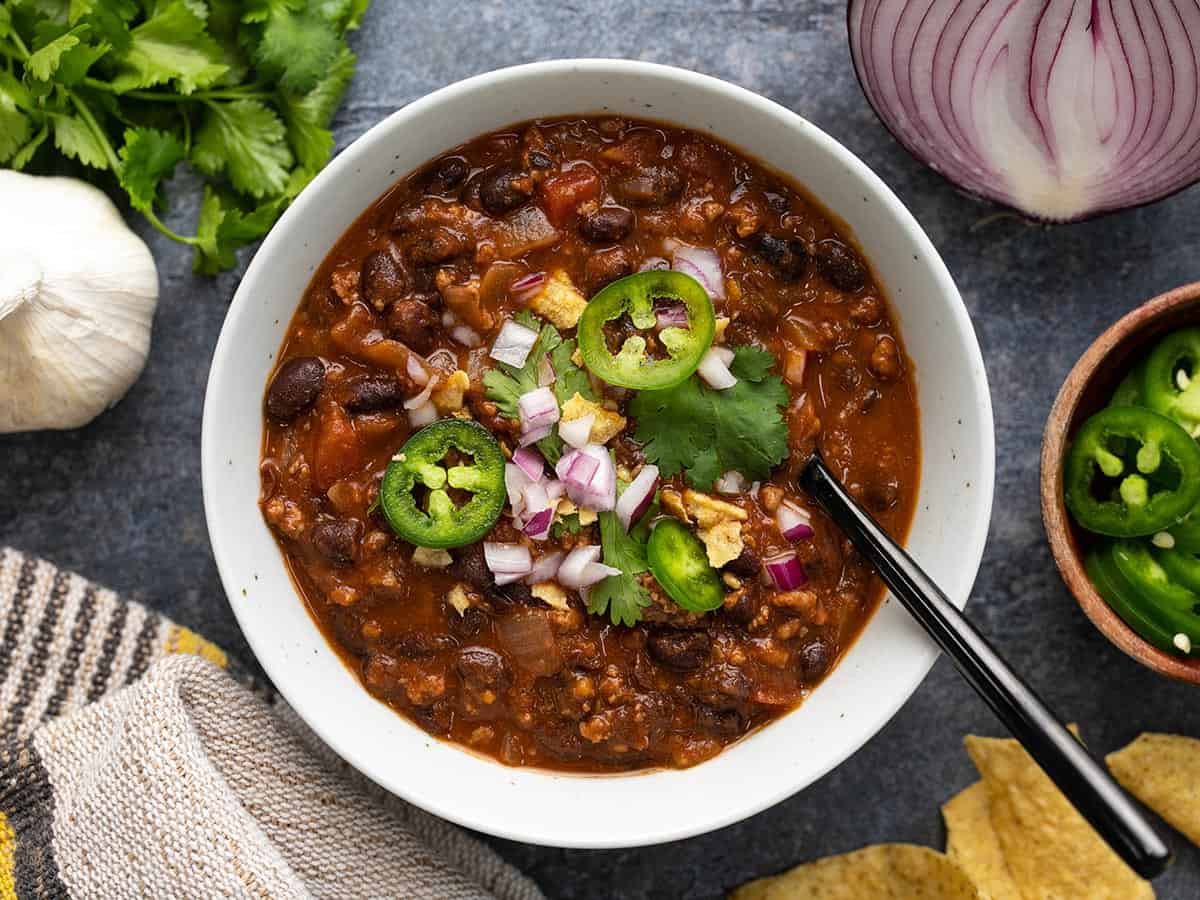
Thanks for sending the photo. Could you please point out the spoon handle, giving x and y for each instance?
(1078, 775)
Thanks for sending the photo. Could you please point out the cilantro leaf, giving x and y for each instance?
(751, 363)
(223, 227)
(703, 432)
(43, 63)
(22, 157)
(568, 524)
(15, 126)
(73, 137)
(622, 596)
(297, 48)
(149, 156)
(244, 139)
(308, 115)
(171, 45)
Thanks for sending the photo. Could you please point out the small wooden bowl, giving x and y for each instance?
(1087, 389)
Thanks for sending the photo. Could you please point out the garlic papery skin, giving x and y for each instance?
(77, 296)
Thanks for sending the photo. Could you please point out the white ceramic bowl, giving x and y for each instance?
(874, 678)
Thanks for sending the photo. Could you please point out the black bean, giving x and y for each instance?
(502, 189)
(414, 324)
(681, 650)
(814, 659)
(539, 160)
(840, 265)
(747, 564)
(744, 609)
(420, 644)
(437, 246)
(336, 540)
(447, 174)
(470, 566)
(482, 666)
(469, 623)
(651, 186)
(295, 387)
(724, 686)
(383, 280)
(607, 225)
(789, 258)
(371, 393)
(509, 595)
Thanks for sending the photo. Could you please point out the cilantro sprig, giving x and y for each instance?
(622, 596)
(703, 432)
(243, 90)
(505, 384)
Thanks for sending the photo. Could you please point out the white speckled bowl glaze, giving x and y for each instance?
(874, 678)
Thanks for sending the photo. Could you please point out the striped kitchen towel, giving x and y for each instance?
(137, 761)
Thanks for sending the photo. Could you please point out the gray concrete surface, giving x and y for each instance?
(120, 500)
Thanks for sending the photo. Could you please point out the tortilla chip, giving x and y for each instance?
(1052, 853)
(972, 842)
(873, 873)
(1163, 771)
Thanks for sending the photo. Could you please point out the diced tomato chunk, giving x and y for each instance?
(563, 193)
(336, 453)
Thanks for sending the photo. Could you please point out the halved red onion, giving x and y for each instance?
(714, 370)
(1060, 110)
(671, 315)
(513, 343)
(546, 374)
(545, 568)
(732, 482)
(423, 415)
(538, 524)
(576, 432)
(786, 571)
(507, 562)
(794, 522)
(701, 263)
(636, 499)
(537, 407)
(530, 462)
(466, 336)
(422, 398)
(416, 369)
(525, 287)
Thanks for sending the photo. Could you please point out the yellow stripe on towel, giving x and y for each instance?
(184, 640)
(8, 849)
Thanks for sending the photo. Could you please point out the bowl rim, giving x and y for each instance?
(1055, 518)
(970, 553)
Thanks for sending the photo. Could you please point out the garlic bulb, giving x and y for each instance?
(77, 295)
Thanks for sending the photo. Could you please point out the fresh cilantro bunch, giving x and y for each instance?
(241, 89)
(505, 384)
(703, 432)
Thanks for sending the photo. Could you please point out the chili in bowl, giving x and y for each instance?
(531, 440)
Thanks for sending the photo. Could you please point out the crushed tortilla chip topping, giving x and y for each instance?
(559, 301)
(605, 426)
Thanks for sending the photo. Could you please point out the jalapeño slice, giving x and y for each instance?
(679, 563)
(441, 521)
(1171, 381)
(1131, 472)
(631, 366)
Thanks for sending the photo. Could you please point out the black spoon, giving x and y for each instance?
(1086, 783)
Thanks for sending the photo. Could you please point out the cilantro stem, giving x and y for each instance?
(16, 39)
(248, 92)
(163, 229)
(85, 113)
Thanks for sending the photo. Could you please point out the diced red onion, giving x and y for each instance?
(654, 264)
(515, 481)
(513, 343)
(701, 263)
(526, 636)
(671, 315)
(576, 432)
(581, 568)
(546, 374)
(416, 371)
(1060, 110)
(636, 499)
(525, 287)
(786, 571)
(422, 415)
(466, 336)
(794, 523)
(538, 525)
(590, 477)
(534, 435)
(545, 568)
(724, 354)
(714, 371)
(732, 482)
(530, 462)
(508, 562)
(537, 407)
(422, 398)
